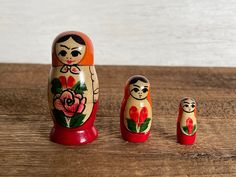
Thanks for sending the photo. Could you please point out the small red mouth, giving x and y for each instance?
(69, 61)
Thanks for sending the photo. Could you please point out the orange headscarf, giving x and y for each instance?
(88, 56)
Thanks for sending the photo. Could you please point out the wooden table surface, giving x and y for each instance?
(25, 123)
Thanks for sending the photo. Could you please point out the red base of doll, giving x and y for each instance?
(184, 139)
(84, 134)
(73, 137)
(134, 137)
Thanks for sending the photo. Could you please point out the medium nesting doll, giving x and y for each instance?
(187, 123)
(73, 89)
(136, 110)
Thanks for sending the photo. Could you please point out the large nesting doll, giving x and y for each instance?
(136, 110)
(186, 122)
(73, 89)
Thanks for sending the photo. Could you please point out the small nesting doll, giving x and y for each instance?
(73, 89)
(186, 122)
(136, 110)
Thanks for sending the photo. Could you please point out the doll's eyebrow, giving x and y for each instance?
(186, 102)
(136, 86)
(64, 46)
(74, 48)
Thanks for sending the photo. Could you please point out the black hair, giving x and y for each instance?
(137, 78)
(76, 38)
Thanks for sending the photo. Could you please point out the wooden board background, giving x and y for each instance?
(25, 123)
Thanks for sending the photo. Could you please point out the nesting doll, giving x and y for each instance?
(186, 122)
(136, 110)
(73, 89)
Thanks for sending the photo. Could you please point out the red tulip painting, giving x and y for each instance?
(138, 121)
(189, 125)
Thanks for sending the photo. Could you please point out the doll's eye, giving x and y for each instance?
(62, 53)
(186, 105)
(193, 105)
(144, 90)
(75, 53)
(136, 89)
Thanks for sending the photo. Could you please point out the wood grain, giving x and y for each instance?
(25, 123)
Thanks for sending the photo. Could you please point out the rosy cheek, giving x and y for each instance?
(60, 57)
(74, 59)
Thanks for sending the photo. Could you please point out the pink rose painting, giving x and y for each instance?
(69, 102)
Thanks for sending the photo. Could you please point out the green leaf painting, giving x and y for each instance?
(56, 86)
(144, 125)
(79, 88)
(131, 125)
(77, 120)
(185, 129)
(60, 117)
(194, 128)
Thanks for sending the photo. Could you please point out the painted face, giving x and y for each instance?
(70, 52)
(188, 105)
(139, 90)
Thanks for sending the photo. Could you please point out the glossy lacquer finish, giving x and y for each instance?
(187, 122)
(136, 110)
(73, 89)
